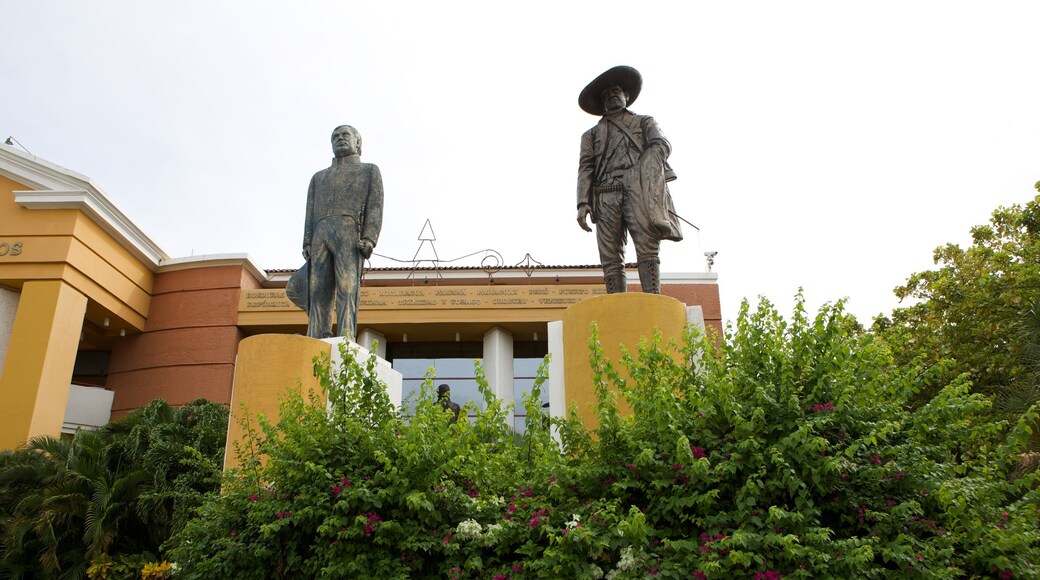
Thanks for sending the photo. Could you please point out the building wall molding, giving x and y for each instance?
(59, 188)
(101, 211)
(213, 261)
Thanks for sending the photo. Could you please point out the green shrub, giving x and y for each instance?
(100, 503)
(790, 451)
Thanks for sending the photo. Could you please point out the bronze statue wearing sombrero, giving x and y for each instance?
(623, 177)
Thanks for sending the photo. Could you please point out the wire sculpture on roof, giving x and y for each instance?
(528, 264)
(427, 258)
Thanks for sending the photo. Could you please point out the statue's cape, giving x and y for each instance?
(296, 288)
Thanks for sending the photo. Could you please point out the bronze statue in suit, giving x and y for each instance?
(344, 216)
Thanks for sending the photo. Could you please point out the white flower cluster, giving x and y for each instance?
(469, 529)
(595, 572)
(575, 522)
(627, 563)
(491, 535)
(489, 504)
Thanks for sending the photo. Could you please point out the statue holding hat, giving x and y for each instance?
(623, 177)
(344, 217)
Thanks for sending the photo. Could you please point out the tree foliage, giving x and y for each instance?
(979, 308)
(121, 490)
(790, 450)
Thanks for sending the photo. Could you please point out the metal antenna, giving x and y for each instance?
(11, 141)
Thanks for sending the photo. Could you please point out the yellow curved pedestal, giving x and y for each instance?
(268, 365)
(623, 321)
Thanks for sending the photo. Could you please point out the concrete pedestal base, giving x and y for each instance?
(623, 321)
(269, 365)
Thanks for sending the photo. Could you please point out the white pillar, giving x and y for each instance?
(8, 308)
(393, 380)
(369, 338)
(498, 366)
(557, 390)
(695, 316)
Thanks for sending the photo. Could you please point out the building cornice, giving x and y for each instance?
(549, 273)
(101, 211)
(60, 188)
(213, 261)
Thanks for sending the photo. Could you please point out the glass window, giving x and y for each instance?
(525, 371)
(457, 373)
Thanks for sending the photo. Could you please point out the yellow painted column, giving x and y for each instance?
(267, 366)
(34, 386)
(623, 320)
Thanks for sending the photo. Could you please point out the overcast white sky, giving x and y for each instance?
(828, 145)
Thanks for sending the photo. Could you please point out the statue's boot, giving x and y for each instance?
(616, 282)
(650, 275)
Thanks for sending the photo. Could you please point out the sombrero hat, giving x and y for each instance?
(590, 100)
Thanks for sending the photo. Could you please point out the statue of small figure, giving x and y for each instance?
(444, 398)
(623, 177)
(344, 217)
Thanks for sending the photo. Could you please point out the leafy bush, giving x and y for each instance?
(790, 451)
(69, 505)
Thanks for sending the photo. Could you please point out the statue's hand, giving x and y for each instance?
(366, 247)
(583, 214)
(307, 253)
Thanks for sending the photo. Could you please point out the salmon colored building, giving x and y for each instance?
(97, 320)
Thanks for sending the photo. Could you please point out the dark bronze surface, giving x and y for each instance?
(344, 216)
(623, 177)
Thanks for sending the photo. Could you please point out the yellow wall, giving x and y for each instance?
(68, 269)
(117, 283)
(18, 221)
